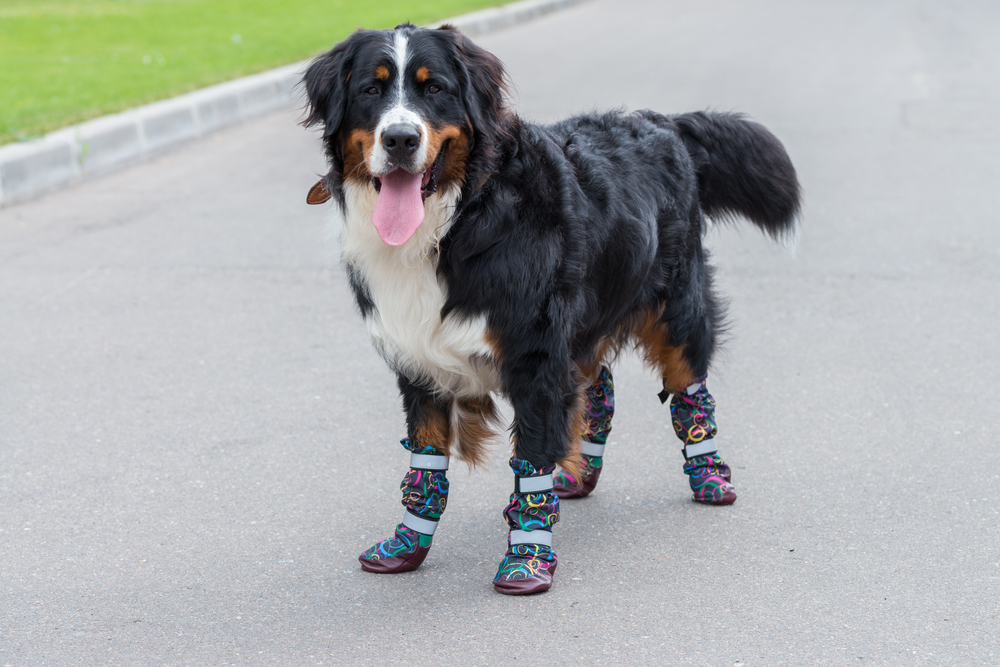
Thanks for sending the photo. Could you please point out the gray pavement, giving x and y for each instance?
(196, 439)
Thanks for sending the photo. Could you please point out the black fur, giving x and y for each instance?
(566, 234)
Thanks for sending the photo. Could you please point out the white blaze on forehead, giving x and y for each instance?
(399, 51)
(399, 112)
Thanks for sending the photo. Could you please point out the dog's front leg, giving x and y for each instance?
(545, 390)
(425, 487)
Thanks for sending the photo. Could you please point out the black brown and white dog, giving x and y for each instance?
(488, 255)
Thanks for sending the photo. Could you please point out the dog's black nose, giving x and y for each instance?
(400, 141)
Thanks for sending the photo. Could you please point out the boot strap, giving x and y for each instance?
(691, 390)
(428, 462)
(700, 448)
(533, 484)
(422, 525)
(540, 537)
(592, 449)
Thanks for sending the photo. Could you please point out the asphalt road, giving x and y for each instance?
(196, 439)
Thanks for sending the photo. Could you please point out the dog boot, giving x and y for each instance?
(425, 494)
(693, 415)
(600, 410)
(529, 563)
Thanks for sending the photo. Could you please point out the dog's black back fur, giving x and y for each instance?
(588, 221)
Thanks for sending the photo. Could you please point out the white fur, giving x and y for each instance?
(406, 326)
(378, 162)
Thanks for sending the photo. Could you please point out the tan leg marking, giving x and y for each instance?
(651, 336)
(605, 350)
(433, 429)
(573, 461)
(474, 423)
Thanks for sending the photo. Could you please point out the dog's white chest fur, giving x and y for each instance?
(406, 325)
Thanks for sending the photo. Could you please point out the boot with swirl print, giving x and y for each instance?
(693, 413)
(530, 563)
(425, 495)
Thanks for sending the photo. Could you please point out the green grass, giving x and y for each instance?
(66, 61)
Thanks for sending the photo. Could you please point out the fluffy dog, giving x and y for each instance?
(491, 255)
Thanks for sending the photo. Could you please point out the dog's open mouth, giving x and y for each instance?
(399, 208)
(428, 183)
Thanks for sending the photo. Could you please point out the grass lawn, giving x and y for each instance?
(65, 61)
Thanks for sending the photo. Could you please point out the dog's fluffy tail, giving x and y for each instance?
(742, 169)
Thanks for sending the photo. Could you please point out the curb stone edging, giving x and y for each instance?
(109, 143)
(113, 142)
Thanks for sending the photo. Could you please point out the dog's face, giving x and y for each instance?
(403, 110)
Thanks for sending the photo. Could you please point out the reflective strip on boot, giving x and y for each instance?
(428, 462)
(540, 537)
(420, 524)
(592, 449)
(534, 484)
(702, 448)
(693, 389)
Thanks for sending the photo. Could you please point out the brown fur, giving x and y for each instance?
(382, 73)
(423, 74)
(493, 342)
(573, 462)
(433, 429)
(474, 422)
(605, 350)
(456, 160)
(651, 339)
(357, 147)
(457, 156)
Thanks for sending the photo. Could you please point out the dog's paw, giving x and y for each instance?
(526, 569)
(400, 553)
(710, 480)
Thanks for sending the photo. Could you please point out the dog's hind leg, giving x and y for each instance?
(692, 411)
(692, 408)
(425, 486)
(600, 407)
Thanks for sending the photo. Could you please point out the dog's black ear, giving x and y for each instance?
(326, 87)
(484, 90)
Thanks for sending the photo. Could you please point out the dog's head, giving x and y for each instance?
(406, 111)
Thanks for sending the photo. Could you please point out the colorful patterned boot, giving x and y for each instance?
(600, 410)
(693, 414)
(425, 494)
(529, 563)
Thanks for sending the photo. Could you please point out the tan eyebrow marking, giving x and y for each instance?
(423, 74)
(382, 73)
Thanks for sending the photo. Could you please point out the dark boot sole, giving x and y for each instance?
(396, 564)
(536, 584)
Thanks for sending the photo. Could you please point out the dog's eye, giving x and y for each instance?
(371, 90)
(433, 89)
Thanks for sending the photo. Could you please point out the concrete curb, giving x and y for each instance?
(110, 143)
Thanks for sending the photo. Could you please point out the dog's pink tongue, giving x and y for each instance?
(399, 210)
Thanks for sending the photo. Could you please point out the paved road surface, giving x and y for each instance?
(196, 439)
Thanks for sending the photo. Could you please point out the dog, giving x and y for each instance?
(489, 255)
